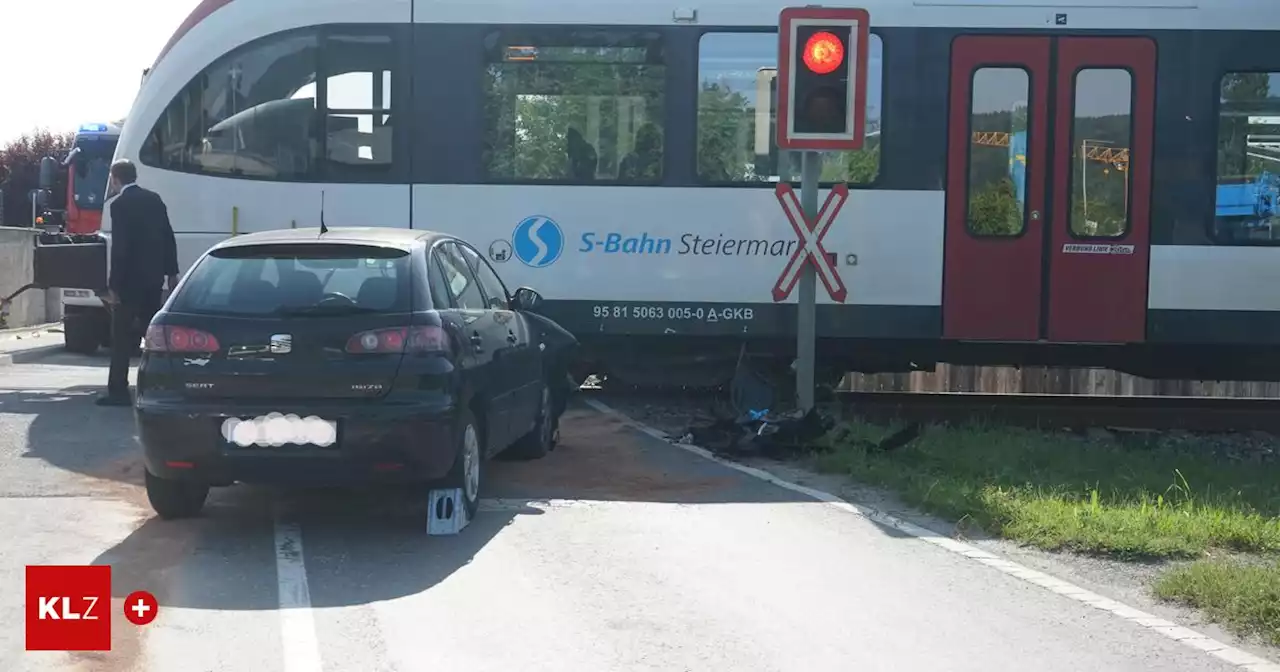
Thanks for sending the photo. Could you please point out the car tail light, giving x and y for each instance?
(418, 338)
(167, 338)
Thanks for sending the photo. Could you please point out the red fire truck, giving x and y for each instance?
(86, 169)
(86, 323)
(70, 254)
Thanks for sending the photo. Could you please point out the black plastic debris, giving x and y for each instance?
(762, 434)
(848, 436)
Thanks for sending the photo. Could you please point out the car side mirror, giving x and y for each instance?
(526, 299)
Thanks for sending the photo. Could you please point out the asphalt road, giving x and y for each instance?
(618, 552)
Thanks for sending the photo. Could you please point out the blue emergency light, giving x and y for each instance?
(93, 128)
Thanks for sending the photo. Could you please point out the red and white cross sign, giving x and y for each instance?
(810, 248)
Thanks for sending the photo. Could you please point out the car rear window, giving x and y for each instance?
(307, 279)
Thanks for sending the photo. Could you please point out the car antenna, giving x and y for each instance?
(323, 229)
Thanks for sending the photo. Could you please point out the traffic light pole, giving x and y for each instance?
(807, 308)
(822, 67)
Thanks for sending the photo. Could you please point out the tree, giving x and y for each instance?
(722, 157)
(994, 210)
(20, 171)
(1243, 93)
(614, 96)
(539, 111)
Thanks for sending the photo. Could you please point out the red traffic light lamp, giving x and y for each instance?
(823, 53)
(822, 78)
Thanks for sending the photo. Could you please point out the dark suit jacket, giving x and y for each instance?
(143, 250)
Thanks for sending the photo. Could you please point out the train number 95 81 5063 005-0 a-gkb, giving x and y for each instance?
(646, 311)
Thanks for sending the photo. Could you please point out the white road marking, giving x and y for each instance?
(1241, 659)
(297, 624)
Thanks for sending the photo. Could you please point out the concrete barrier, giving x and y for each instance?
(35, 306)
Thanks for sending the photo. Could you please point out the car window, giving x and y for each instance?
(495, 292)
(440, 296)
(462, 283)
(266, 279)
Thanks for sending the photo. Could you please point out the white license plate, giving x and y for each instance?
(276, 429)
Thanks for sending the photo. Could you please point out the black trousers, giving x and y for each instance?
(129, 320)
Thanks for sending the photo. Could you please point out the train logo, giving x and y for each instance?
(537, 241)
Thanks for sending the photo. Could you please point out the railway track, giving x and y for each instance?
(1054, 411)
(1045, 411)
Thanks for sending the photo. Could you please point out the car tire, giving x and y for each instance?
(467, 463)
(172, 499)
(542, 438)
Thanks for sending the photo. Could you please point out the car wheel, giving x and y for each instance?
(541, 439)
(465, 473)
(175, 499)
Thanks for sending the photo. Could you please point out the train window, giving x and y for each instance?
(175, 137)
(1101, 129)
(577, 106)
(998, 152)
(246, 115)
(1248, 180)
(253, 123)
(259, 111)
(737, 113)
(357, 73)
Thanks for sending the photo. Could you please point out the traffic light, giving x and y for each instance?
(822, 78)
(822, 83)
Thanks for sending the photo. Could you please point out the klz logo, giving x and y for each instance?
(49, 609)
(68, 608)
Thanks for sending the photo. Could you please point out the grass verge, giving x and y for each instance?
(1061, 492)
(1243, 595)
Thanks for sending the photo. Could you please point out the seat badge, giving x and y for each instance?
(281, 344)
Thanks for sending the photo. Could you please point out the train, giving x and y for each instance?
(620, 158)
(1243, 204)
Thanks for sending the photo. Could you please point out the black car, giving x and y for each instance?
(339, 357)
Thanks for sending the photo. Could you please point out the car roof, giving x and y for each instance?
(380, 236)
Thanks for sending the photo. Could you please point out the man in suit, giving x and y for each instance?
(144, 256)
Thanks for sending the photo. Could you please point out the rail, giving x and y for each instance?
(1043, 411)
(1056, 411)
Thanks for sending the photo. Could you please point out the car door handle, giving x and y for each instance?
(477, 342)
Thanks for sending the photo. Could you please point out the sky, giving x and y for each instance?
(91, 58)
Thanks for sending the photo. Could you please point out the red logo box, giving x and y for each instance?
(68, 608)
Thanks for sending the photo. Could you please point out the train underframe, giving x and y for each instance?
(651, 361)
(708, 362)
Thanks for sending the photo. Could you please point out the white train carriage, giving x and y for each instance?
(1042, 182)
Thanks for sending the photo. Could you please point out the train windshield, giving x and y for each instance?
(90, 169)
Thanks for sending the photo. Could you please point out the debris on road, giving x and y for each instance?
(761, 433)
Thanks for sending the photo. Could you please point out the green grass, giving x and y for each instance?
(1059, 492)
(1243, 595)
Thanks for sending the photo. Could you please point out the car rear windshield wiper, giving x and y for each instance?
(297, 311)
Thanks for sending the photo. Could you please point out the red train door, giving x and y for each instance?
(1048, 192)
